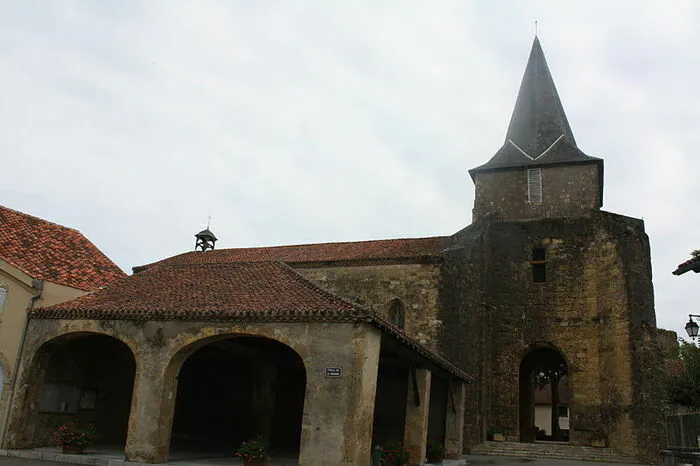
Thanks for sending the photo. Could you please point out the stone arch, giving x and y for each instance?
(274, 387)
(543, 366)
(397, 313)
(66, 378)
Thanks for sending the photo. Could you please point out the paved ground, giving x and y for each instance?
(479, 460)
(4, 461)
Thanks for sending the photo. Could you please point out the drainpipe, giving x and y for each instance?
(38, 285)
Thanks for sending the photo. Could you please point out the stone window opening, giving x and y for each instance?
(539, 265)
(3, 295)
(534, 186)
(397, 314)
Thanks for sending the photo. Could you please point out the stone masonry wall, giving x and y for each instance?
(595, 307)
(464, 336)
(377, 285)
(337, 422)
(567, 191)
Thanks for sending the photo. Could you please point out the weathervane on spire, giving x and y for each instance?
(535, 28)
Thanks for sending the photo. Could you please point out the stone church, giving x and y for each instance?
(327, 350)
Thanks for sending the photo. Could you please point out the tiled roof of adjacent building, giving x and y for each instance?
(358, 251)
(47, 251)
(248, 292)
(692, 264)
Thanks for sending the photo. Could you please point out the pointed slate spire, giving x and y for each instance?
(538, 118)
(539, 133)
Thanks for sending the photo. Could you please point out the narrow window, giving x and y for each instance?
(397, 314)
(534, 186)
(3, 294)
(539, 265)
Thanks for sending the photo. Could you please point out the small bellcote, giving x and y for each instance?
(538, 138)
(205, 240)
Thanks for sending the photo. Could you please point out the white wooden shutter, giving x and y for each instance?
(534, 185)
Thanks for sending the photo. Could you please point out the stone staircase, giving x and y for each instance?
(550, 450)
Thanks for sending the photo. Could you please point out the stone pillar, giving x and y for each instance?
(454, 428)
(24, 409)
(152, 410)
(416, 427)
(339, 405)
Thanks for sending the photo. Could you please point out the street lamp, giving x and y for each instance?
(692, 327)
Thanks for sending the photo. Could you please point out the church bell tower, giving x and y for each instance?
(539, 171)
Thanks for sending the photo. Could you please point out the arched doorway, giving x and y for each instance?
(235, 389)
(84, 378)
(544, 396)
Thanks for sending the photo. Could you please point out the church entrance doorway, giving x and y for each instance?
(237, 389)
(84, 379)
(545, 396)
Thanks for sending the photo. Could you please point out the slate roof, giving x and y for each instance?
(47, 251)
(406, 249)
(248, 292)
(539, 132)
(692, 264)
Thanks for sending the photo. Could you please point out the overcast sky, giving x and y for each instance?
(317, 121)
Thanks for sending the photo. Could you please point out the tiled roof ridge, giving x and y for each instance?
(43, 220)
(140, 268)
(340, 242)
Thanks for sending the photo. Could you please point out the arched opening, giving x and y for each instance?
(545, 396)
(84, 378)
(397, 313)
(236, 389)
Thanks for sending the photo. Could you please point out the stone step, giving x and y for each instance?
(550, 450)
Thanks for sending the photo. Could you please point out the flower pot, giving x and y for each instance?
(498, 437)
(263, 462)
(73, 449)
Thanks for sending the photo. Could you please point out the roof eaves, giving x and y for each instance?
(405, 340)
(692, 264)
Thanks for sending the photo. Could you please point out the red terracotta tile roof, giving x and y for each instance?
(387, 250)
(248, 292)
(47, 251)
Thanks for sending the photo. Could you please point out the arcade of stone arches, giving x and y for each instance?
(209, 390)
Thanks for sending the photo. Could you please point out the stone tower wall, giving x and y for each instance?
(595, 307)
(567, 191)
